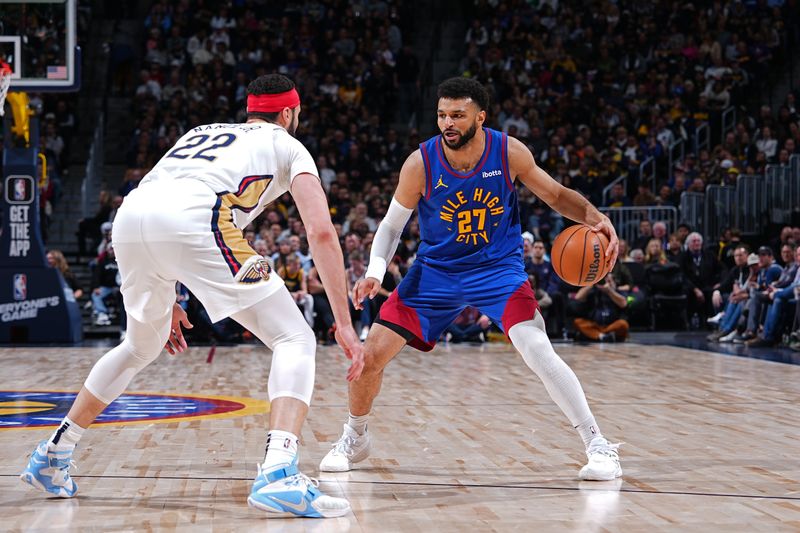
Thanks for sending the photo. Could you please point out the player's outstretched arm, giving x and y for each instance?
(566, 201)
(406, 197)
(324, 243)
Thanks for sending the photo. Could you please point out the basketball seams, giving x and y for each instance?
(583, 258)
(603, 262)
(563, 249)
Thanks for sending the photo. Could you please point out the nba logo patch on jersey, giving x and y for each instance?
(20, 287)
(255, 269)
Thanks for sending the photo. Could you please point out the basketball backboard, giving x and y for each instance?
(37, 39)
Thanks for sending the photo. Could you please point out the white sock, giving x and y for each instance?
(281, 449)
(66, 436)
(588, 430)
(358, 423)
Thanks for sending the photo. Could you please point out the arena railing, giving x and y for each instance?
(702, 138)
(794, 184)
(647, 173)
(728, 121)
(678, 147)
(719, 210)
(751, 203)
(692, 210)
(626, 219)
(779, 194)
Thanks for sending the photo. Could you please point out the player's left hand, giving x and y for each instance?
(607, 228)
(175, 342)
(348, 340)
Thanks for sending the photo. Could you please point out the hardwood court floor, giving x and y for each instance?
(464, 439)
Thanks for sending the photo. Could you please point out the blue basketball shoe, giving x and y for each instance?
(285, 491)
(48, 471)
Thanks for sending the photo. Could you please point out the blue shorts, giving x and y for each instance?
(430, 298)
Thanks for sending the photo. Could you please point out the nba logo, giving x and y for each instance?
(20, 286)
(20, 191)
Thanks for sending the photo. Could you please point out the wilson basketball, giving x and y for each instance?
(579, 255)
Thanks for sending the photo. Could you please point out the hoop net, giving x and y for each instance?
(5, 83)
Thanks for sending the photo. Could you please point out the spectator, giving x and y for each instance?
(354, 272)
(469, 326)
(295, 280)
(702, 275)
(56, 259)
(105, 284)
(675, 248)
(89, 228)
(660, 234)
(769, 272)
(735, 287)
(645, 234)
(777, 313)
(654, 254)
(605, 320)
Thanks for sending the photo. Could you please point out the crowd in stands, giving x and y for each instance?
(591, 93)
(595, 92)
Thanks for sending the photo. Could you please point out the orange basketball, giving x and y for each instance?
(579, 255)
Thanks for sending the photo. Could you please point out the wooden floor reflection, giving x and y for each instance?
(465, 438)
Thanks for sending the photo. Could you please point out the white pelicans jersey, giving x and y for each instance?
(247, 165)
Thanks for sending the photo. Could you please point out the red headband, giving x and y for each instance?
(272, 103)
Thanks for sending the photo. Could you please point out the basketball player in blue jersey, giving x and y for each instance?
(184, 223)
(470, 253)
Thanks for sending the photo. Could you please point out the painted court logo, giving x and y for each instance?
(32, 409)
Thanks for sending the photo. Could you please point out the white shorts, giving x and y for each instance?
(179, 230)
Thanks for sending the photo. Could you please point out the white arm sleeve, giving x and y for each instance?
(386, 238)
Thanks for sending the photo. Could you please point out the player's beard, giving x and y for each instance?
(292, 128)
(463, 139)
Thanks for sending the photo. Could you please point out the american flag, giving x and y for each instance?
(57, 73)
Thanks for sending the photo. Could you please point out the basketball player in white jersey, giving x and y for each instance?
(184, 223)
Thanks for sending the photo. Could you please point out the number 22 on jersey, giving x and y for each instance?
(189, 149)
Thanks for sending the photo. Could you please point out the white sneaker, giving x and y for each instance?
(286, 492)
(729, 337)
(364, 332)
(350, 448)
(603, 462)
(716, 318)
(102, 320)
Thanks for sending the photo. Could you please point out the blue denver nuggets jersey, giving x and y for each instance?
(468, 219)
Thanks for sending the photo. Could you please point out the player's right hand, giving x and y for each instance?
(362, 289)
(175, 342)
(346, 338)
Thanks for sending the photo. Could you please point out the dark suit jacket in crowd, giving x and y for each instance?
(704, 275)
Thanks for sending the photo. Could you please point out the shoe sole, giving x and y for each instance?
(591, 476)
(30, 480)
(272, 513)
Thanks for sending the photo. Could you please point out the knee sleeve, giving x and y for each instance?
(293, 367)
(531, 341)
(277, 322)
(143, 343)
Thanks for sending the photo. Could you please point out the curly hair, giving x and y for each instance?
(461, 87)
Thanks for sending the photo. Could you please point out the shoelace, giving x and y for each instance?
(344, 446)
(607, 449)
(300, 477)
(65, 464)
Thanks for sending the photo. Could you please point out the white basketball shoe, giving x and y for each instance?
(349, 449)
(603, 462)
